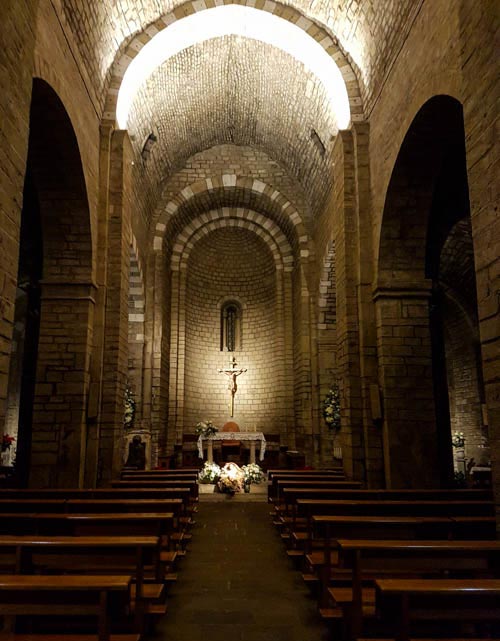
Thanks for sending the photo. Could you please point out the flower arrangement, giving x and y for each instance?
(7, 441)
(129, 412)
(206, 428)
(331, 408)
(252, 474)
(458, 439)
(209, 473)
(231, 479)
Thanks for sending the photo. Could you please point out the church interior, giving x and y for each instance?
(252, 242)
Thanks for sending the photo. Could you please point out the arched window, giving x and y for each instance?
(230, 327)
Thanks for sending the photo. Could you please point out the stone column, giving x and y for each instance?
(17, 42)
(343, 206)
(480, 89)
(59, 417)
(115, 360)
(406, 378)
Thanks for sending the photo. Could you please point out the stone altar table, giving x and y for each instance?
(252, 437)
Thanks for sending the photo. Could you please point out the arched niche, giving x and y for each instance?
(427, 197)
(49, 369)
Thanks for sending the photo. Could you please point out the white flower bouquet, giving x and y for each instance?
(206, 428)
(209, 473)
(458, 439)
(253, 473)
(331, 408)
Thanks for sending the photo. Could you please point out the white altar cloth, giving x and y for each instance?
(234, 436)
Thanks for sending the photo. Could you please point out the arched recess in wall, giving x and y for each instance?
(206, 268)
(194, 210)
(421, 276)
(318, 34)
(136, 334)
(49, 369)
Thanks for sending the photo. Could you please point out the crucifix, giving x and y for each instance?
(233, 372)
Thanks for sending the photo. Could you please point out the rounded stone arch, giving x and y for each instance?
(427, 195)
(270, 233)
(280, 255)
(318, 32)
(435, 132)
(58, 297)
(271, 198)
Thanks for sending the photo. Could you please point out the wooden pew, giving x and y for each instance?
(325, 528)
(177, 497)
(139, 556)
(272, 484)
(368, 559)
(455, 601)
(161, 484)
(282, 472)
(312, 484)
(159, 476)
(193, 471)
(148, 524)
(104, 597)
(291, 493)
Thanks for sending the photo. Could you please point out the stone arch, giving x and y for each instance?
(196, 232)
(426, 197)
(318, 32)
(232, 217)
(231, 182)
(55, 369)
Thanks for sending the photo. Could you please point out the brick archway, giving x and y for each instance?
(318, 32)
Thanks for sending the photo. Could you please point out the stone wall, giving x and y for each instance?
(17, 42)
(233, 264)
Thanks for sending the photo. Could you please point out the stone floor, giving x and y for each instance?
(237, 584)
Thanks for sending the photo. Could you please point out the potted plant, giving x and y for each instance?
(208, 477)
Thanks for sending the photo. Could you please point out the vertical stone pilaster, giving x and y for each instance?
(59, 417)
(480, 89)
(115, 363)
(406, 378)
(348, 366)
(96, 366)
(17, 44)
(372, 433)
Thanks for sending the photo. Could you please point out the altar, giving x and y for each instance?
(252, 437)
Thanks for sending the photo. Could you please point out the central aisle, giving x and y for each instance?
(237, 584)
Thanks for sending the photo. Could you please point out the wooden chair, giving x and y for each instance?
(231, 450)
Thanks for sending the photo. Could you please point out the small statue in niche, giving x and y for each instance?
(136, 453)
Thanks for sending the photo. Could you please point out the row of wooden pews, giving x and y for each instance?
(392, 563)
(82, 565)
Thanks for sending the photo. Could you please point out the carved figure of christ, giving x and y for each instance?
(233, 372)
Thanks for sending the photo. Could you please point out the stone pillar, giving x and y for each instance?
(115, 360)
(59, 417)
(480, 89)
(17, 43)
(406, 378)
(343, 207)
(372, 432)
(95, 391)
